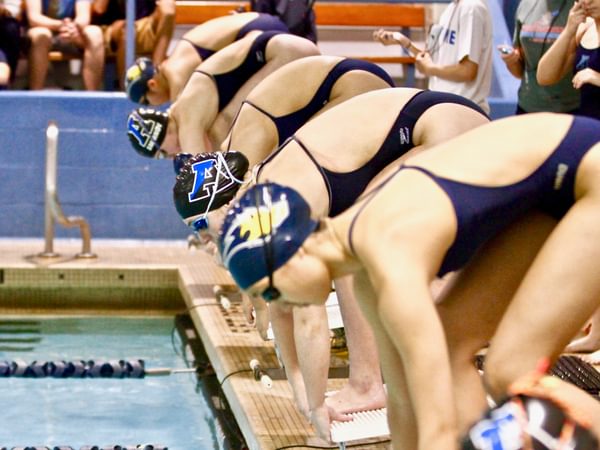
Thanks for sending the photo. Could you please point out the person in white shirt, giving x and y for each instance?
(458, 55)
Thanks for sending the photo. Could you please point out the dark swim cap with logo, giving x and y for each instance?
(525, 422)
(136, 79)
(207, 181)
(262, 231)
(146, 129)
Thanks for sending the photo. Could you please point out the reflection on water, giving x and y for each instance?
(164, 410)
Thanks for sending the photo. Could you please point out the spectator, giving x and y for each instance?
(64, 26)
(298, 15)
(10, 33)
(537, 26)
(576, 49)
(154, 25)
(458, 56)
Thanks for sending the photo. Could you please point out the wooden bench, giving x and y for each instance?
(328, 14)
(342, 14)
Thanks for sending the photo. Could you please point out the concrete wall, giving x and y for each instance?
(100, 177)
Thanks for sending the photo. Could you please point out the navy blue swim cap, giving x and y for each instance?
(270, 221)
(146, 129)
(136, 79)
(207, 181)
(526, 422)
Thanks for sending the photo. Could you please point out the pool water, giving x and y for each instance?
(166, 410)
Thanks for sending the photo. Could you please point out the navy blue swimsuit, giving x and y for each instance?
(264, 22)
(482, 212)
(229, 83)
(288, 124)
(590, 93)
(344, 188)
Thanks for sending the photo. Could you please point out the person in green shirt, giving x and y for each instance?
(537, 25)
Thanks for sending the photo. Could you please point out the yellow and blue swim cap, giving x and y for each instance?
(136, 79)
(262, 231)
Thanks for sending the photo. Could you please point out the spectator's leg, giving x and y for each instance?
(116, 36)
(4, 72)
(41, 41)
(93, 58)
(10, 36)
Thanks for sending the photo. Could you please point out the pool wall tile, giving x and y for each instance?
(100, 177)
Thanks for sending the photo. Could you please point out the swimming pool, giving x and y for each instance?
(169, 411)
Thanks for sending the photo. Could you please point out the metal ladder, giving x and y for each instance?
(53, 210)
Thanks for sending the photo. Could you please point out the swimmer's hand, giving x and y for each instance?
(319, 419)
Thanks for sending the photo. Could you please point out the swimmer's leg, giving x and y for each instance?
(558, 295)
(474, 300)
(364, 390)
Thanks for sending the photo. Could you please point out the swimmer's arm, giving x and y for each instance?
(193, 139)
(282, 322)
(197, 108)
(409, 319)
(311, 334)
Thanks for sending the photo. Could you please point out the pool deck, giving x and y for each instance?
(267, 417)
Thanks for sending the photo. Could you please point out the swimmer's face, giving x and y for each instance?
(207, 229)
(303, 280)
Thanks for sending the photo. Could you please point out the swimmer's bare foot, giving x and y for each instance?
(348, 399)
(587, 343)
(592, 358)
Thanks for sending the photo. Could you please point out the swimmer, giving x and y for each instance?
(485, 203)
(153, 85)
(200, 118)
(331, 168)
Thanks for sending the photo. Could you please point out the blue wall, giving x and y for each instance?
(100, 177)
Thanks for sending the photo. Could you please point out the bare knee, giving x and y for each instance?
(4, 74)
(500, 371)
(166, 8)
(40, 37)
(93, 37)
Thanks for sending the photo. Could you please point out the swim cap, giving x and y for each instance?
(179, 161)
(263, 231)
(528, 423)
(208, 181)
(146, 129)
(136, 79)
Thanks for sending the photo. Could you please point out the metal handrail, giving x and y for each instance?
(53, 210)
